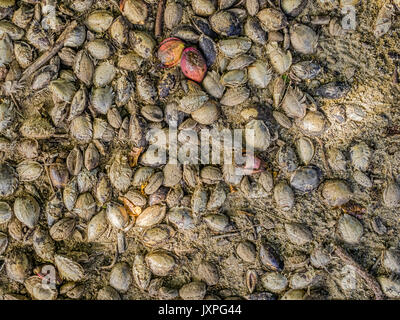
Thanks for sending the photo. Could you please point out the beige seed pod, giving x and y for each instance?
(141, 272)
(274, 282)
(97, 226)
(195, 290)
(298, 234)
(284, 196)
(99, 21)
(27, 210)
(350, 229)
(69, 269)
(151, 216)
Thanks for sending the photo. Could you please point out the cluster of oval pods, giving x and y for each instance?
(78, 102)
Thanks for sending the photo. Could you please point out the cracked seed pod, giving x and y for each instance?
(254, 31)
(43, 244)
(280, 60)
(260, 74)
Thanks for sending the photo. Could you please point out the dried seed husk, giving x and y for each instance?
(74, 161)
(5, 212)
(274, 282)
(234, 46)
(181, 218)
(172, 14)
(18, 265)
(298, 234)
(135, 11)
(284, 196)
(59, 174)
(63, 229)
(226, 23)
(142, 43)
(217, 222)
(336, 193)
(120, 277)
(235, 96)
(29, 170)
(43, 244)
(97, 226)
(246, 250)
(195, 290)
(391, 194)
(303, 38)
(27, 210)
(306, 179)
(270, 259)
(254, 31)
(83, 67)
(70, 194)
(141, 272)
(272, 19)
(280, 60)
(99, 21)
(85, 206)
(204, 8)
(117, 216)
(151, 215)
(69, 269)
(157, 235)
(350, 229)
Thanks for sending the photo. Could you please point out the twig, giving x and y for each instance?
(371, 282)
(45, 57)
(159, 18)
(323, 156)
